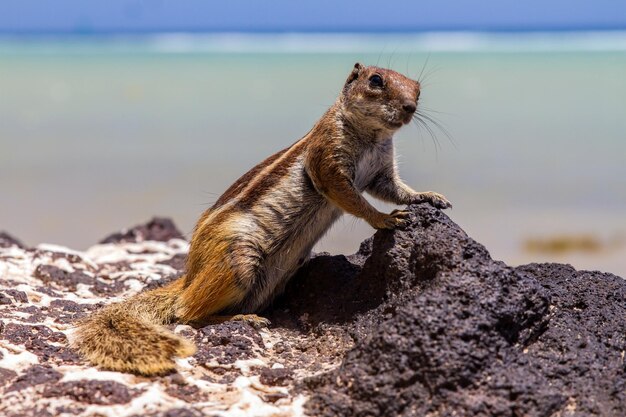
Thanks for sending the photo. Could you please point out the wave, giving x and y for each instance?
(313, 43)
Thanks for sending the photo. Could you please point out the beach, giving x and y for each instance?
(100, 133)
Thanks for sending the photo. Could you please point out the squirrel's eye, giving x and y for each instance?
(376, 81)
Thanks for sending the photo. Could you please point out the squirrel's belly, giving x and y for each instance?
(290, 220)
(280, 266)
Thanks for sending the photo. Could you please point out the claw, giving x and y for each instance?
(253, 320)
(399, 218)
(393, 220)
(401, 214)
(435, 199)
(402, 223)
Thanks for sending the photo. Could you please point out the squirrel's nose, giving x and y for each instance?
(409, 107)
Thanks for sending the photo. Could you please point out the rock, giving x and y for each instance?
(4, 299)
(160, 229)
(456, 333)
(275, 376)
(51, 274)
(91, 392)
(420, 321)
(35, 375)
(6, 375)
(6, 241)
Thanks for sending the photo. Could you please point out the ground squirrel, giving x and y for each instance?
(261, 230)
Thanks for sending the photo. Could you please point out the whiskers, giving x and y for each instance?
(431, 125)
(423, 117)
(425, 73)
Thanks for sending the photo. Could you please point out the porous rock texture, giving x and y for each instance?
(458, 334)
(419, 322)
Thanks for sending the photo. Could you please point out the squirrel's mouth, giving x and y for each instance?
(400, 120)
(395, 124)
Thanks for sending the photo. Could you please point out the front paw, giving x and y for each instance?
(434, 199)
(396, 219)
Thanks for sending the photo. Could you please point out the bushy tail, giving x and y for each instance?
(129, 336)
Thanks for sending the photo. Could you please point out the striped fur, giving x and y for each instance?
(262, 229)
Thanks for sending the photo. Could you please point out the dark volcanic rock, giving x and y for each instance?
(275, 376)
(18, 296)
(4, 299)
(6, 375)
(52, 274)
(91, 392)
(73, 258)
(35, 375)
(67, 311)
(442, 329)
(48, 345)
(177, 412)
(226, 343)
(6, 240)
(159, 228)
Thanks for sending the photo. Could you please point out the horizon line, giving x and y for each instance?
(277, 31)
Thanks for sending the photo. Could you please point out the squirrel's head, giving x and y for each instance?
(379, 97)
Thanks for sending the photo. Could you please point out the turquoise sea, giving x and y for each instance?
(102, 132)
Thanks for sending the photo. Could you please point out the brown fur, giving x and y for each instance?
(234, 189)
(246, 247)
(116, 336)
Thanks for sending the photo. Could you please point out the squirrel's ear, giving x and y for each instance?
(355, 73)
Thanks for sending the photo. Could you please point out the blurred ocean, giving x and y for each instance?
(99, 133)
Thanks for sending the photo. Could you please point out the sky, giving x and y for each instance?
(93, 16)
